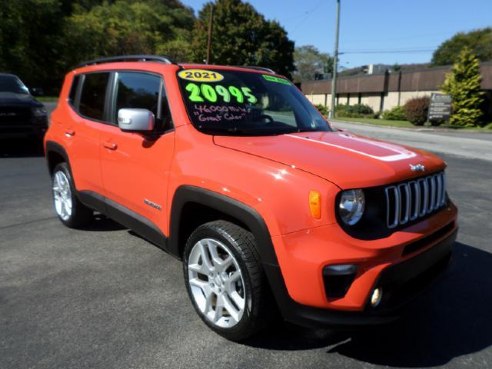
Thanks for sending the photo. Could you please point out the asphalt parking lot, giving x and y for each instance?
(104, 298)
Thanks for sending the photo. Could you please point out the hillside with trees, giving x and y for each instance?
(40, 40)
(127, 27)
(478, 41)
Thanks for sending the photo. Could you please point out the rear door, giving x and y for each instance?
(81, 122)
(135, 166)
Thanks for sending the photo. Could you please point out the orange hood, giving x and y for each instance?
(344, 159)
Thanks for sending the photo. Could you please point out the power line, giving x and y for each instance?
(403, 37)
(306, 15)
(403, 51)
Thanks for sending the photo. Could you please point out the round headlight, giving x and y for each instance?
(351, 206)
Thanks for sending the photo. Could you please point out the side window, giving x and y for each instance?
(93, 95)
(73, 90)
(142, 91)
(165, 118)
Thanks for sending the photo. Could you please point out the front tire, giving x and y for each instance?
(69, 209)
(225, 281)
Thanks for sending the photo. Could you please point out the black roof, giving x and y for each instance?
(151, 58)
(128, 58)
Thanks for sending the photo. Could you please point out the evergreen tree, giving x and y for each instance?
(463, 85)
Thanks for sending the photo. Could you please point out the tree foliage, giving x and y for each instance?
(128, 27)
(242, 36)
(29, 39)
(310, 63)
(40, 40)
(463, 85)
(479, 41)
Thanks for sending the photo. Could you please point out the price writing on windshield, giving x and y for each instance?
(200, 75)
(219, 93)
(276, 79)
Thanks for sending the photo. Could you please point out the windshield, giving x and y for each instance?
(12, 84)
(244, 103)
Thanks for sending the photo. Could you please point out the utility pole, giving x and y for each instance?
(210, 28)
(335, 65)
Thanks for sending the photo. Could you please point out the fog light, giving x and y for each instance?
(341, 269)
(338, 279)
(376, 296)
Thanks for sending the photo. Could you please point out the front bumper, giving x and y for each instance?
(22, 123)
(299, 286)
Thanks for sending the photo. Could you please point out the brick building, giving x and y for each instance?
(386, 90)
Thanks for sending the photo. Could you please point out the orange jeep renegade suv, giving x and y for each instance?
(234, 172)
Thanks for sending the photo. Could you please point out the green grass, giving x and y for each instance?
(487, 128)
(47, 98)
(379, 122)
(406, 124)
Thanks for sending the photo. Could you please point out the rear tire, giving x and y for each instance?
(68, 208)
(225, 280)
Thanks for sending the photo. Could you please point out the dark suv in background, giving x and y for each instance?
(21, 115)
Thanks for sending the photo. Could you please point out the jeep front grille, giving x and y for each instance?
(408, 201)
(11, 115)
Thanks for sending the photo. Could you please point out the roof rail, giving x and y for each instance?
(128, 58)
(264, 69)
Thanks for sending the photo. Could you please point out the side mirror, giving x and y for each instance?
(136, 120)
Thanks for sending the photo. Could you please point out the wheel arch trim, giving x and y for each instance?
(248, 216)
(54, 147)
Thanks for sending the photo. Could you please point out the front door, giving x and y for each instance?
(135, 166)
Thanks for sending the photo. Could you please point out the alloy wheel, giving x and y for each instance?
(216, 283)
(62, 195)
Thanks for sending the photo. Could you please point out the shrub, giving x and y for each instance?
(397, 113)
(416, 110)
(436, 122)
(354, 111)
(322, 109)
